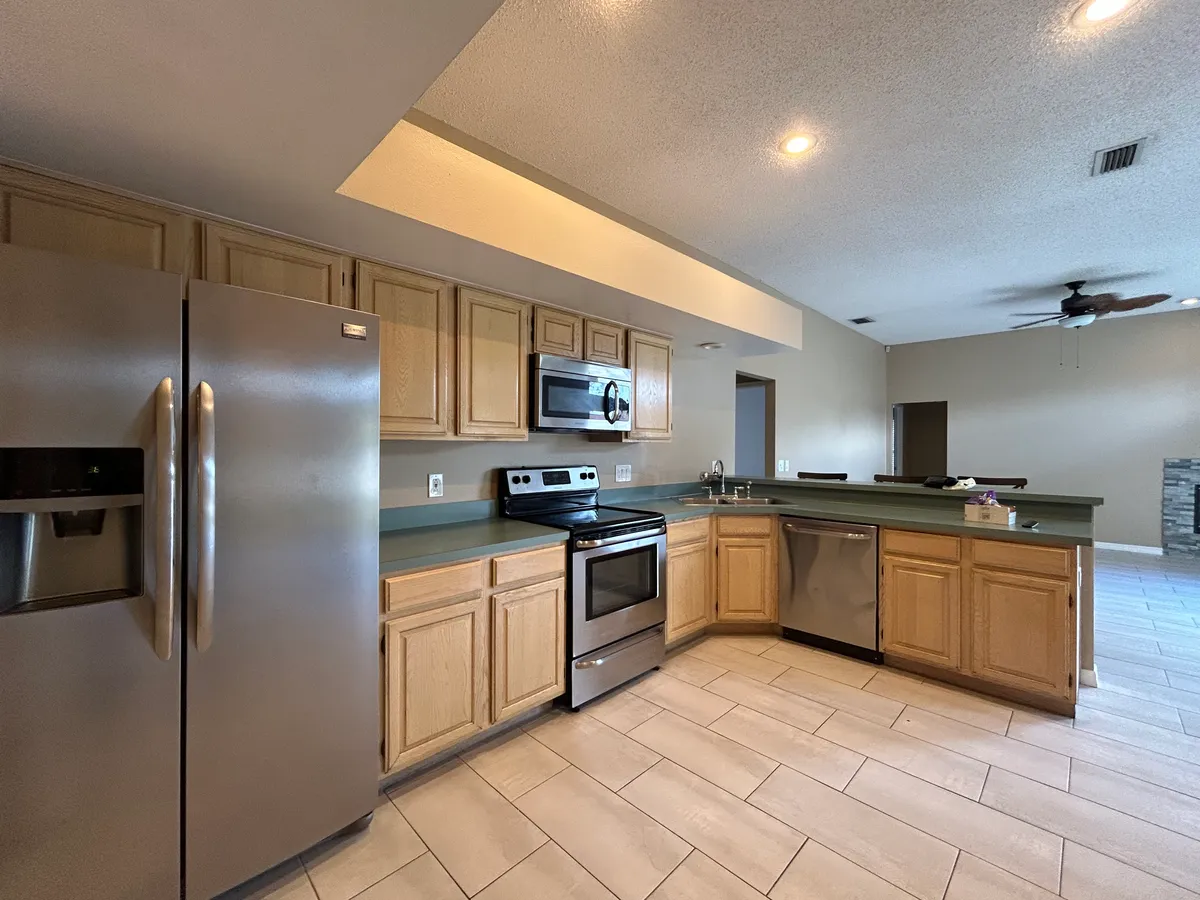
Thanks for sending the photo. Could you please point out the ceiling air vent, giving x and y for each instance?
(1116, 158)
(862, 320)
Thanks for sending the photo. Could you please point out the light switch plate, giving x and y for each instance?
(624, 473)
(787, 465)
(435, 485)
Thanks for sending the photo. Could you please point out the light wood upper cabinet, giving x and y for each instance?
(416, 349)
(528, 647)
(603, 343)
(1020, 631)
(46, 214)
(264, 263)
(650, 359)
(557, 333)
(436, 680)
(920, 611)
(689, 589)
(493, 365)
(747, 580)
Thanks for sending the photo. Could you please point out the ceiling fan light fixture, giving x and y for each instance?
(1094, 11)
(1078, 321)
(711, 345)
(1190, 301)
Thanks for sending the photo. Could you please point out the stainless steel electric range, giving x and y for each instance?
(616, 575)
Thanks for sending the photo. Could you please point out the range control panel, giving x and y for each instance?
(517, 482)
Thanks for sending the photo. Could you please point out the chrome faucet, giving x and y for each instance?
(719, 472)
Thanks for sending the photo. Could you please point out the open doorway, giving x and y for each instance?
(919, 438)
(754, 426)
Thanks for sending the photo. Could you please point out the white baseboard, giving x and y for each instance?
(1087, 677)
(1130, 548)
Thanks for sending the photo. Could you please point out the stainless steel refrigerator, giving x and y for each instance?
(189, 507)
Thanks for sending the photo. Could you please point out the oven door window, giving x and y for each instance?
(620, 580)
(571, 397)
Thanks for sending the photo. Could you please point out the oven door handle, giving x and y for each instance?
(619, 539)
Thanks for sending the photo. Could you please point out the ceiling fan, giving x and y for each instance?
(1081, 309)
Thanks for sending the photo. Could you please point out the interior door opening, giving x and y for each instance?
(919, 438)
(754, 430)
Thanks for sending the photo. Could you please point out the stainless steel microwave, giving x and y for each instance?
(572, 395)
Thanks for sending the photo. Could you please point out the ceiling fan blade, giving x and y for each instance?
(1038, 322)
(1086, 301)
(1047, 313)
(1132, 303)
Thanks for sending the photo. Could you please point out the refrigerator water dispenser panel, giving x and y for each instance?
(70, 526)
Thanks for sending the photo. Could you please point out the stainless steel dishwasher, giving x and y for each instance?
(829, 585)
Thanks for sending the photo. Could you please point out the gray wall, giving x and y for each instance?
(1101, 429)
(750, 429)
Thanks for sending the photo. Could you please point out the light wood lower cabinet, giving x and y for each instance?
(1019, 631)
(747, 579)
(920, 611)
(493, 365)
(689, 587)
(528, 647)
(1003, 615)
(460, 652)
(435, 680)
(416, 349)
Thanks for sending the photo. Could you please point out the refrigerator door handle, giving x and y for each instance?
(164, 511)
(206, 510)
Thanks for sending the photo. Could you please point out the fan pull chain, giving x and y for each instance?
(1060, 347)
(1077, 340)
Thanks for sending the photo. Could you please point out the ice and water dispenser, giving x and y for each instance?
(71, 523)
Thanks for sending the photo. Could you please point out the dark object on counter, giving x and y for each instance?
(1018, 484)
(825, 476)
(939, 481)
(1032, 523)
(900, 479)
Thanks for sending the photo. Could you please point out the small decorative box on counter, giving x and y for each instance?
(985, 508)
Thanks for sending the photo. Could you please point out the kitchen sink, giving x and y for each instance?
(728, 500)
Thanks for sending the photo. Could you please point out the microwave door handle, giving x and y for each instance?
(206, 510)
(610, 408)
(165, 488)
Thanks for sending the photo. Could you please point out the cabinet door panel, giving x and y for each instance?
(493, 367)
(689, 589)
(603, 343)
(416, 352)
(921, 611)
(263, 263)
(436, 681)
(1020, 631)
(650, 359)
(44, 214)
(746, 580)
(528, 647)
(558, 333)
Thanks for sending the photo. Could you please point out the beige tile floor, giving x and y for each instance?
(749, 768)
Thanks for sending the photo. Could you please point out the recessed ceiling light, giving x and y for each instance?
(795, 144)
(711, 345)
(1094, 11)
(1190, 301)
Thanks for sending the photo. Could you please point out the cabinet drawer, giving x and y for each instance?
(926, 546)
(550, 562)
(742, 525)
(408, 591)
(1057, 562)
(687, 532)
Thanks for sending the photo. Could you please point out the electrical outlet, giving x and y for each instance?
(435, 485)
(624, 473)
(780, 465)
(787, 465)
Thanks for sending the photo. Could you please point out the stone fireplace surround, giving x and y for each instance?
(1179, 507)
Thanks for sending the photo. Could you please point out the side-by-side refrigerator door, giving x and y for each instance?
(90, 386)
(282, 658)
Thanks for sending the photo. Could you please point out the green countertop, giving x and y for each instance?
(899, 490)
(431, 545)
(1058, 532)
